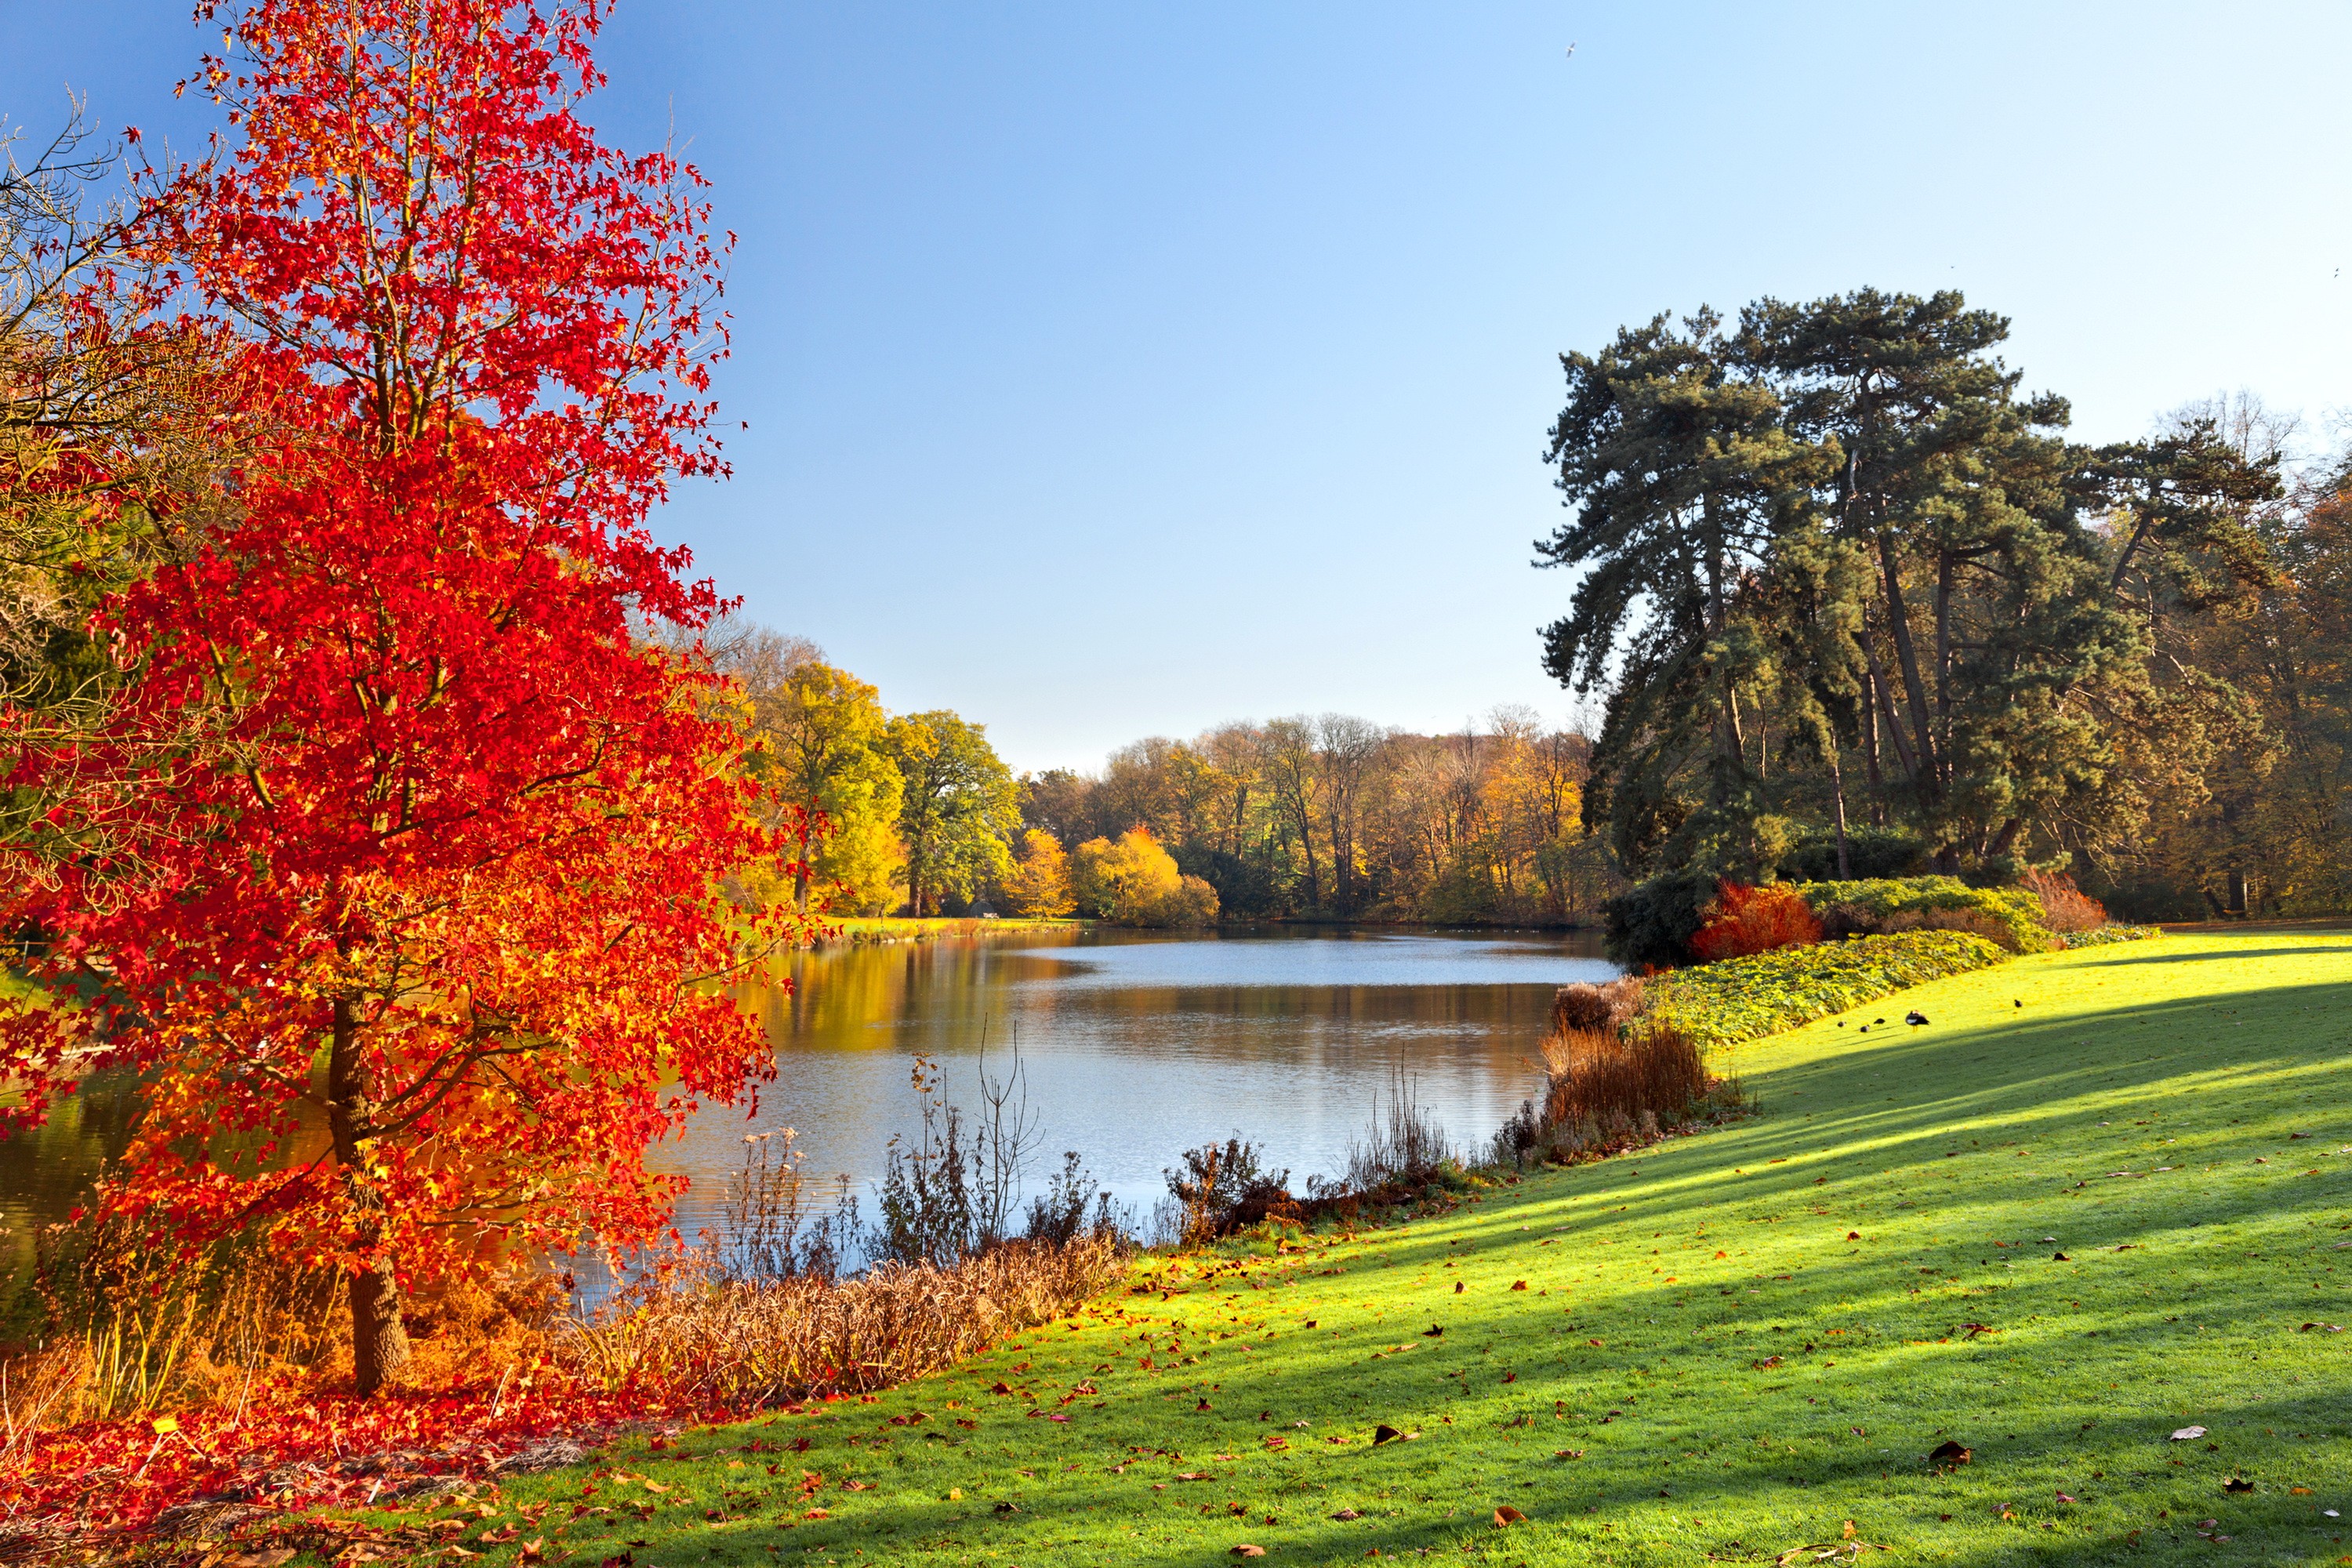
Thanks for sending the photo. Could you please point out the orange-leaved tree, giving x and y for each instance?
(407, 951)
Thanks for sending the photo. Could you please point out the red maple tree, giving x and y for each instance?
(410, 949)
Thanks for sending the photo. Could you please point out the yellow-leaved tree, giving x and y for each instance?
(1131, 880)
(1038, 886)
(820, 731)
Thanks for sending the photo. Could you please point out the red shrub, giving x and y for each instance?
(2066, 907)
(1754, 920)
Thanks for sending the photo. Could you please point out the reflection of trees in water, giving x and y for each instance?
(1131, 1072)
(44, 1174)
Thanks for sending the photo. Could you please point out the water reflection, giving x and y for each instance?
(1137, 1047)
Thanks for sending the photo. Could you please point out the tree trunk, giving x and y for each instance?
(1903, 758)
(1870, 748)
(1943, 668)
(1925, 770)
(379, 1336)
(1837, 804)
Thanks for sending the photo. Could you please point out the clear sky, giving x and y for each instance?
(1114, 370)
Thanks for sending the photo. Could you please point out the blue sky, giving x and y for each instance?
(1114, 370)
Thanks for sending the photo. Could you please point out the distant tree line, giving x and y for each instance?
(1338, 818)
(1858, 606)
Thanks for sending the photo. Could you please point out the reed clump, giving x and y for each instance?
(1613, 1087)
(743, 1342)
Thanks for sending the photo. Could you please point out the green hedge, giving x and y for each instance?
(2016, 910)
(1746, 998)
(2106, 934)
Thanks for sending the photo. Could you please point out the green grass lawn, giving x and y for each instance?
(1729, 1345)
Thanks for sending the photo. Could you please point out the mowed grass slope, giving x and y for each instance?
(1742, 1340)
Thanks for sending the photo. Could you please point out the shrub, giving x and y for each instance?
(1754, 920)
(1745, 998)
(1877, 907)
(1222, 1189)
(1608, 1006)
(1650, 925)
(2103, 935)
(2064, 907)
(1872, 853)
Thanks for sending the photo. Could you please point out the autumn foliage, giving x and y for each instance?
(1754, 920)
(404, 943)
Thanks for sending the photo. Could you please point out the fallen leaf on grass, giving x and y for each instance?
(1384, 1433)
(1246, 1549)
(1518, 1284)
(2188, 1434)
(1827, 1551)
(1432, 1331)
(1195, 1476)
(1000, 1386)
(2237, 1484)
(1568, 1453)
(1950, 1453)
(1507, 1514)
(816, 1513)
(2064, 1497)
(1346, 1515)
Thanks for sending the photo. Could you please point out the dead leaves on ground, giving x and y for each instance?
(1848, 1546)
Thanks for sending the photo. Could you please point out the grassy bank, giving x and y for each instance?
(1729, 1345)
(892, 929)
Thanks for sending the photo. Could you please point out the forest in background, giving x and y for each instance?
(1328, 818)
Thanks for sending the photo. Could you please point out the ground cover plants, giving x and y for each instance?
(1726, 1347)
(1747, 998)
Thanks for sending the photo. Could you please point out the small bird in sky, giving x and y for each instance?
(1571, 51)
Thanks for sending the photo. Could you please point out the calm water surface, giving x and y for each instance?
(1137, 1047)
(1133, 1046)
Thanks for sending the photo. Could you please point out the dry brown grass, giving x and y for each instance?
(746, 1342)
(1602, 1076)
(1610, 1005)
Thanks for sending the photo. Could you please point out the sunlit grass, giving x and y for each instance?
(1744, 1338)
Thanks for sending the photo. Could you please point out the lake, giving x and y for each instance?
(1138, 1046)
(1134, 1046)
